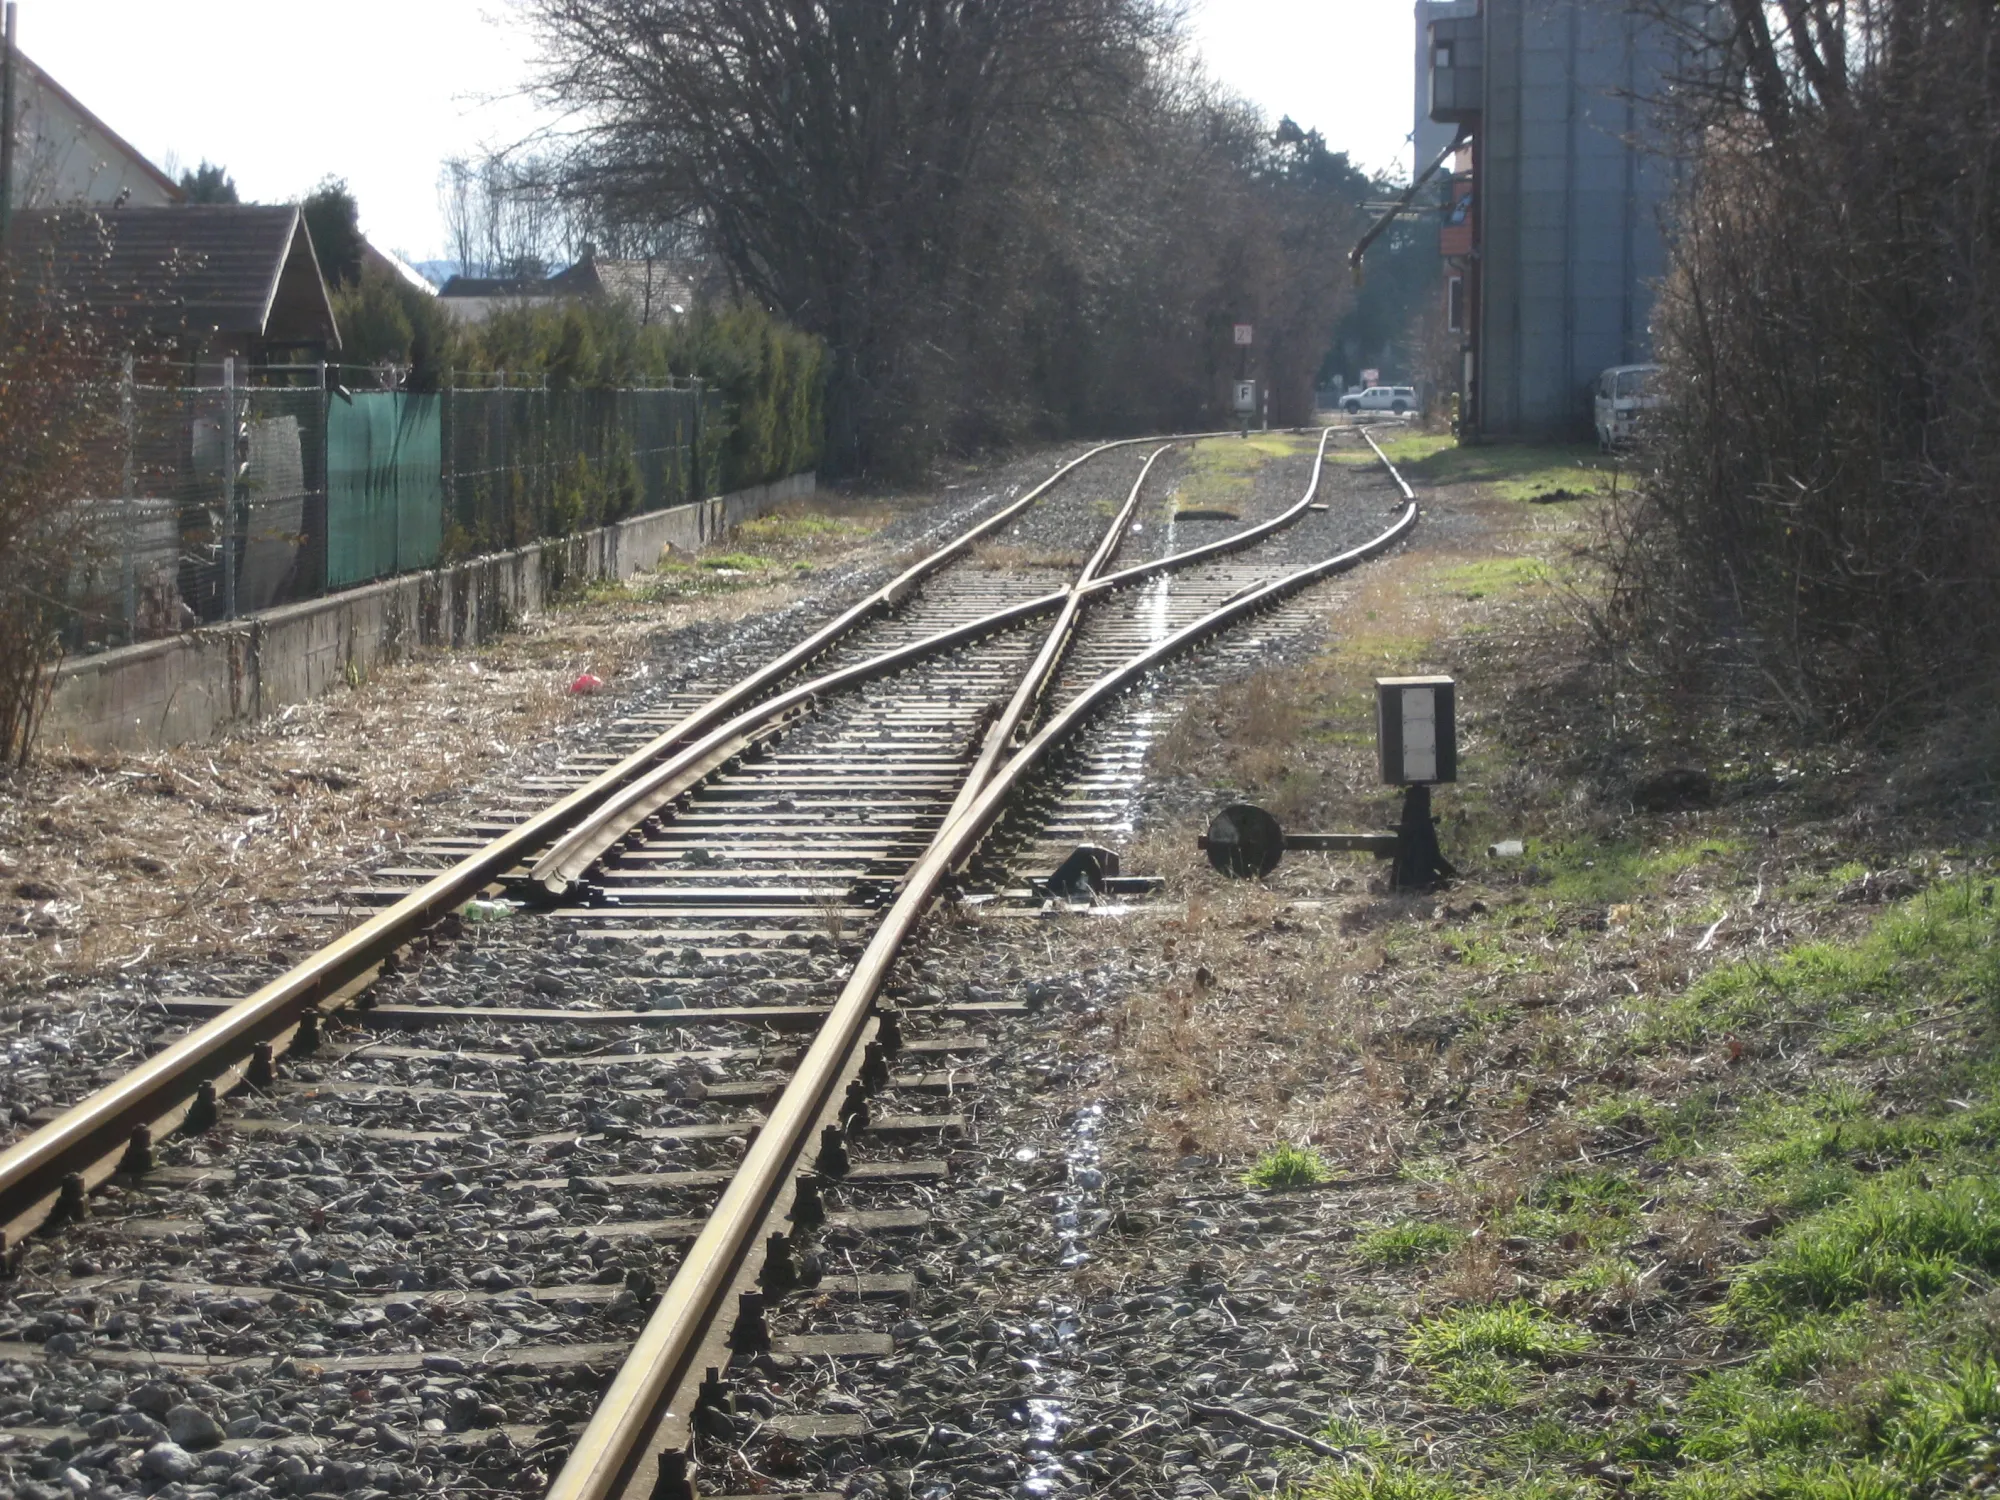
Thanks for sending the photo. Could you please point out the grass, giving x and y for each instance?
(714, 573)
(1937, 947)
(1501, 576)
(1866, 1322)
(1602, 872)
(1286, 1166)
(1221, 471)
(1391, 1482)
(1407, 1243)
(1483, 1382)
(801, 531)
(1521, 472)
(1894, 1241)
(1698, 1194)
(1513, 1330)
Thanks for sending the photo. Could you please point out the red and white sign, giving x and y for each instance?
(1371, 377)
(1243, 333)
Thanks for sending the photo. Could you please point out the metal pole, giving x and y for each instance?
(325, 483)
(229, 487)
(7, 124)
(128, 416)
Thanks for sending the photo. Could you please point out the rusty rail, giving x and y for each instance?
(55, 1167)
(614, 1447)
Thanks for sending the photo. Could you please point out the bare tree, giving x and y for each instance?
(848, 158)
(1820, 532)
(509, 214)
(55, 409)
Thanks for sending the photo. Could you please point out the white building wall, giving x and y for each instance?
(63, 154)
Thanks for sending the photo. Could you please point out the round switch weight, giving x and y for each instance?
(1245, 841)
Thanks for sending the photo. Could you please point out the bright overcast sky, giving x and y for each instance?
(380, 92)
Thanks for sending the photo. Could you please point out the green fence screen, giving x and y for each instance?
(384, 485)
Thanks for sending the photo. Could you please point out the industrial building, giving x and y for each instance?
(1552, 231)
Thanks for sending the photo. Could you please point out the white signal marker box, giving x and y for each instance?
(1416, 730)
(1246, 395)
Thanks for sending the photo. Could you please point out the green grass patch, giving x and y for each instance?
(1520, 472)
(1499, 577)
(1584, 1205)
(1287, 1166)
(1598, 872)
(1901, 1433)
(1525, 472)
(803, 530)
(1939, 948)
(1898, 1240)
(1386, 1482)
(1220, 471)
(1483, 1382)
(1407, 1243)
(723, 573)
(1511, 1330)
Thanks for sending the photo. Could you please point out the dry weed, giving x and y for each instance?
(113, 861)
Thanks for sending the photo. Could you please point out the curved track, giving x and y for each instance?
(749, 873)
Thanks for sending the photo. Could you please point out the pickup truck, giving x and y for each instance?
(1398, 398)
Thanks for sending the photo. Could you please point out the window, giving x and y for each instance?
(1454, 304)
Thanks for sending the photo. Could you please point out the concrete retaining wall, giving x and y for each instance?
(190, 687)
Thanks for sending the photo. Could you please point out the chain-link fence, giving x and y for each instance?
(522, 461)
(282, 485)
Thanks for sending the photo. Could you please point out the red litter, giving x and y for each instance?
(589, 682)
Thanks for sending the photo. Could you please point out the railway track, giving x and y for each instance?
(631, 1075)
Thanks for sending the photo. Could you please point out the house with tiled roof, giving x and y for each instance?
(657, 288)
(195, 282)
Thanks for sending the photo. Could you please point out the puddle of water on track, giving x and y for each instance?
(1046, 1412)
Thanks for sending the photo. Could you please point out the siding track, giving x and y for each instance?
(660, 1086)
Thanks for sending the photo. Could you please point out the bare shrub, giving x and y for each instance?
(1819, 537)
(55, 410)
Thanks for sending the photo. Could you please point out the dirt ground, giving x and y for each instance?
(1660, 1139)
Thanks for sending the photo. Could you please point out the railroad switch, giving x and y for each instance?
(1082, 874)
(1416, 744)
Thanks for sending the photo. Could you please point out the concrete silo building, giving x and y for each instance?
(1552, 233)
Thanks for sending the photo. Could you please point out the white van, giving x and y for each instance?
(1381, 398)
(1624, 394)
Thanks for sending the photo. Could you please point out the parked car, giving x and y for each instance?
(1381, 398)
(1625, 393)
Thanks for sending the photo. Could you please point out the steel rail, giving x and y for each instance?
(1034, 682)
(571, 857)
(82, 1147)
(1236, 541)
(611, 1446)
(567, 861)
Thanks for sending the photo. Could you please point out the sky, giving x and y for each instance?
(283, 93)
